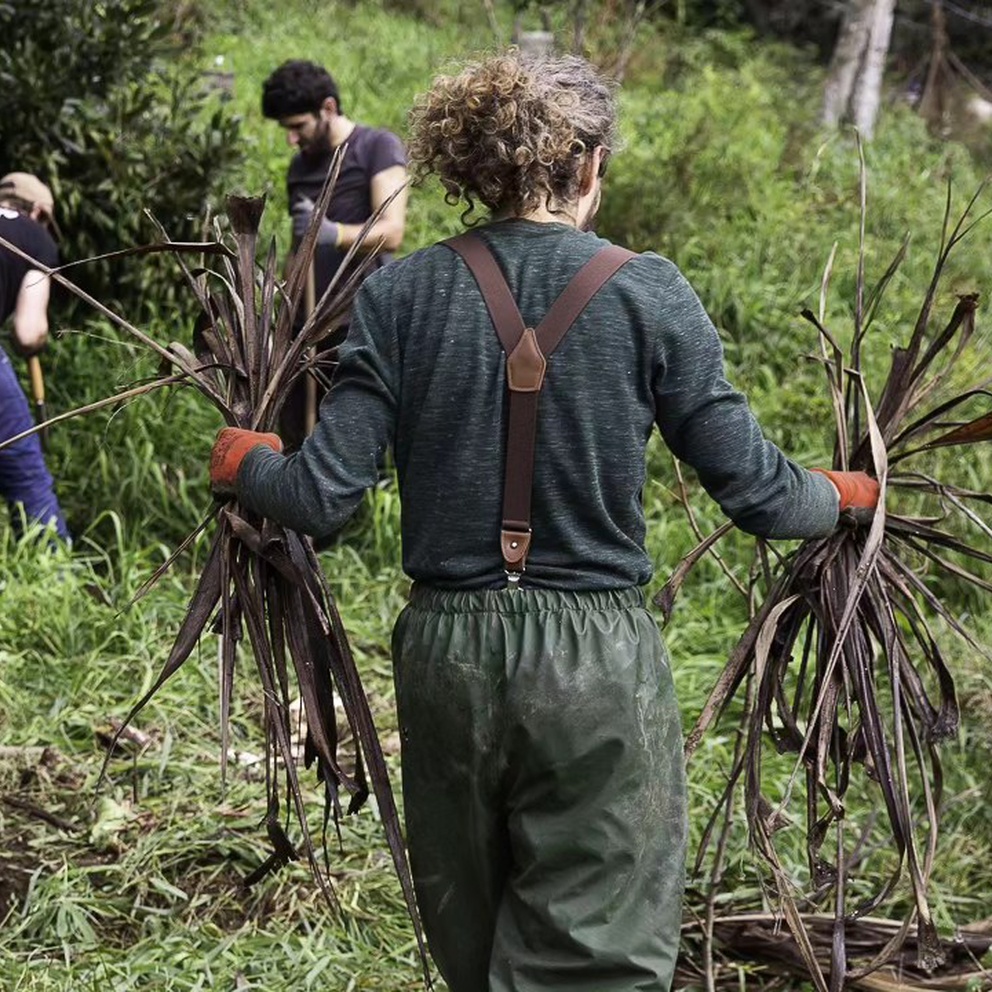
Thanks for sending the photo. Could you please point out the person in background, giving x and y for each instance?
(304, 98)
(543, 781)
(26, 221)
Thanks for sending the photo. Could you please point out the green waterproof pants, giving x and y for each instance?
(544, 789)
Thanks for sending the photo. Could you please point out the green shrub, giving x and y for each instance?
(99, 103)
(726, 173)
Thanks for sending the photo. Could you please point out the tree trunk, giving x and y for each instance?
(632, 21)
(933, 102)
(848, 56)
(868, 92)
(580, 16)
(854, 83)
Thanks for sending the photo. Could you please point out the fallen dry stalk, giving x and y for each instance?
(759, 944)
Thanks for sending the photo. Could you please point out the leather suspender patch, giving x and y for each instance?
(527, 351)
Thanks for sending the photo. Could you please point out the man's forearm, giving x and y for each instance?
(384, 234)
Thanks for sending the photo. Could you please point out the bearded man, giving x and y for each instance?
(304, 98)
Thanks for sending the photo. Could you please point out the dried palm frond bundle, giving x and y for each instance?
(246, 357)
(841, 664)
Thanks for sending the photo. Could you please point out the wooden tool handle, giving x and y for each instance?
(309, 302)
(37, 379)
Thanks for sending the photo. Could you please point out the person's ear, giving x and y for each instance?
(329, 108)
(590, 170)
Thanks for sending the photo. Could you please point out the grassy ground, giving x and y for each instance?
(135, 883)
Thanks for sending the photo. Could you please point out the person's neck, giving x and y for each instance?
(565, 214)
(545, 216)
(340, 131)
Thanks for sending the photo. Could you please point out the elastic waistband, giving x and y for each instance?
(522, 600)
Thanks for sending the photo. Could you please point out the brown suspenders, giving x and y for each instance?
(527, 350)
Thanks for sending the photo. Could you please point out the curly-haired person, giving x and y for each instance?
(304, 98)
(544, 792)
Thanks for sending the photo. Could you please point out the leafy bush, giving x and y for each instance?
(99, 103)
(726, 173)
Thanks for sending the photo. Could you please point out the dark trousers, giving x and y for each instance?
(25, 482)
(543, 788)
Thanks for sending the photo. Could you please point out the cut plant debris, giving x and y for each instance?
(841, 665)
(256, 339)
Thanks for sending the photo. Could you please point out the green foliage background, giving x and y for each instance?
(103, 102)
(724, 171)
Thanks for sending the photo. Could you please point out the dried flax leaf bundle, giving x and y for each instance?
(841, 663)
(258, 577)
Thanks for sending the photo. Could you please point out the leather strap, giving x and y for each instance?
(527, 351)
(502, 307)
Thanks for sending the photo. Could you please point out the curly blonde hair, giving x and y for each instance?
(512, 131)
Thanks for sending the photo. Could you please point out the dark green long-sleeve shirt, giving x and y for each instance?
(423, 371)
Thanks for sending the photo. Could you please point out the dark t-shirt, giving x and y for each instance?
(369, 152)
(30, 237)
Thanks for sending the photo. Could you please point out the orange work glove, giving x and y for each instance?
(857, 490)
(230, 448)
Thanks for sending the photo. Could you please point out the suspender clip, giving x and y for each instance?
(514, 544)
